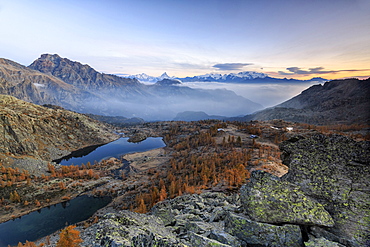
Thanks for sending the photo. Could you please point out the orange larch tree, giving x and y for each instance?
(69, 237)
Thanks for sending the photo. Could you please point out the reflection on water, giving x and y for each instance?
(113, 149)
(48, 220)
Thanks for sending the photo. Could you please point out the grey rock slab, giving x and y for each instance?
(262, 234)
(268, 199)
(201, 241)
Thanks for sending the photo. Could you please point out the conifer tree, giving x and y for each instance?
(69, 237)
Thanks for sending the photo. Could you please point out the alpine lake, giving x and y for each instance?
(47, 220)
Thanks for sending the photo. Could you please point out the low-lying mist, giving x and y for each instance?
(267, 95)
(164, 102)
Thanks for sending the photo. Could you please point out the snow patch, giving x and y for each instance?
(39, 84)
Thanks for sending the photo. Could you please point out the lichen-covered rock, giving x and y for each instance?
(166, 214)
(217, 214)
(224, 237)
(268, 199)
(193, 224)
(201, 241)
(198, 226)
(262, 234)
(322, 242)
(207, 207)
(127, 228)
(335, 171)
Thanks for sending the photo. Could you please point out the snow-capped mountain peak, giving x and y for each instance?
(150, 79)
(245, 75)
(249, 74)
(240, 77)
(165, 76)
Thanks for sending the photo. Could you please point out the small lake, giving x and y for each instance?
(50, 219)
(113, 149)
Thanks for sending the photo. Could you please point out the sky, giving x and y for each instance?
(283, 38)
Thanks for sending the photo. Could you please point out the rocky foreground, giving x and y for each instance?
(322, 201)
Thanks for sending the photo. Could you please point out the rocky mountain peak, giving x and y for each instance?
(46, 63)
(81, 75)
(165, 75)
(52, 57)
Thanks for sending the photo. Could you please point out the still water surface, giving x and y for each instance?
(113, 149)
(48, 220)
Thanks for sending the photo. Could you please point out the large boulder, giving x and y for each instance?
(322, 242)
(202, 241)
(268, 199)
(224, 237)
(126, 228)
(209, 207)
(261, 234)
(335, 171)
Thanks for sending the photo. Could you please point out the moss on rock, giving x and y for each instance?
(268, 199)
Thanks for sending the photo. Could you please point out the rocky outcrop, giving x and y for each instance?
(268, 199)
(322, 242)
(138, 137)
(31, 131)
(325, 191)
(335, 171)
(127, 228)
(208, 219)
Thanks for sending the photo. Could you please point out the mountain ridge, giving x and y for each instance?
(81, 75)
(74, 86)
(335, 102)
(37, 87)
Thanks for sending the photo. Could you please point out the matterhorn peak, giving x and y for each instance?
(165, 75)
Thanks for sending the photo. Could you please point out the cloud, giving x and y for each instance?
(231, 66)
(315, 71)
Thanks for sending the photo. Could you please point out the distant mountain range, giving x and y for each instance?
(51, 79)
(241, 77)
(149, 79)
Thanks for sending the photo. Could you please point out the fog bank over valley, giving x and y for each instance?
(165, 102)
(213, 98)
(267, 95)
